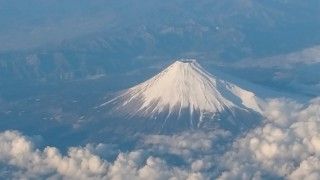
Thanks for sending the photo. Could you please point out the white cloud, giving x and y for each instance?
(187, 143)
(288, 144)
(198, 149)
(26, 162)
(136, 165)
(308, 169)
(17, 151)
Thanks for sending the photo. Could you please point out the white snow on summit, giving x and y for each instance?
(185, 84)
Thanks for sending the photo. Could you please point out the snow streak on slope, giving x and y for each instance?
(184, 85)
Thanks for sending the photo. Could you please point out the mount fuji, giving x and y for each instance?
(184, 96)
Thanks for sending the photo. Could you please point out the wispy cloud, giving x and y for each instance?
(306, 56)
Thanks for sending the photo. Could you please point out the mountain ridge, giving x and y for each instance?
(185, 92)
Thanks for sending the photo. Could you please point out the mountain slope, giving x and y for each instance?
(185, 96)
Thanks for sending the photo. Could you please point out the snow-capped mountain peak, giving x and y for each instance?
(184, 86)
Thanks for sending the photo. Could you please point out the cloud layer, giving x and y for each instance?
(18, 154)
(286, 145)
(20, 160)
